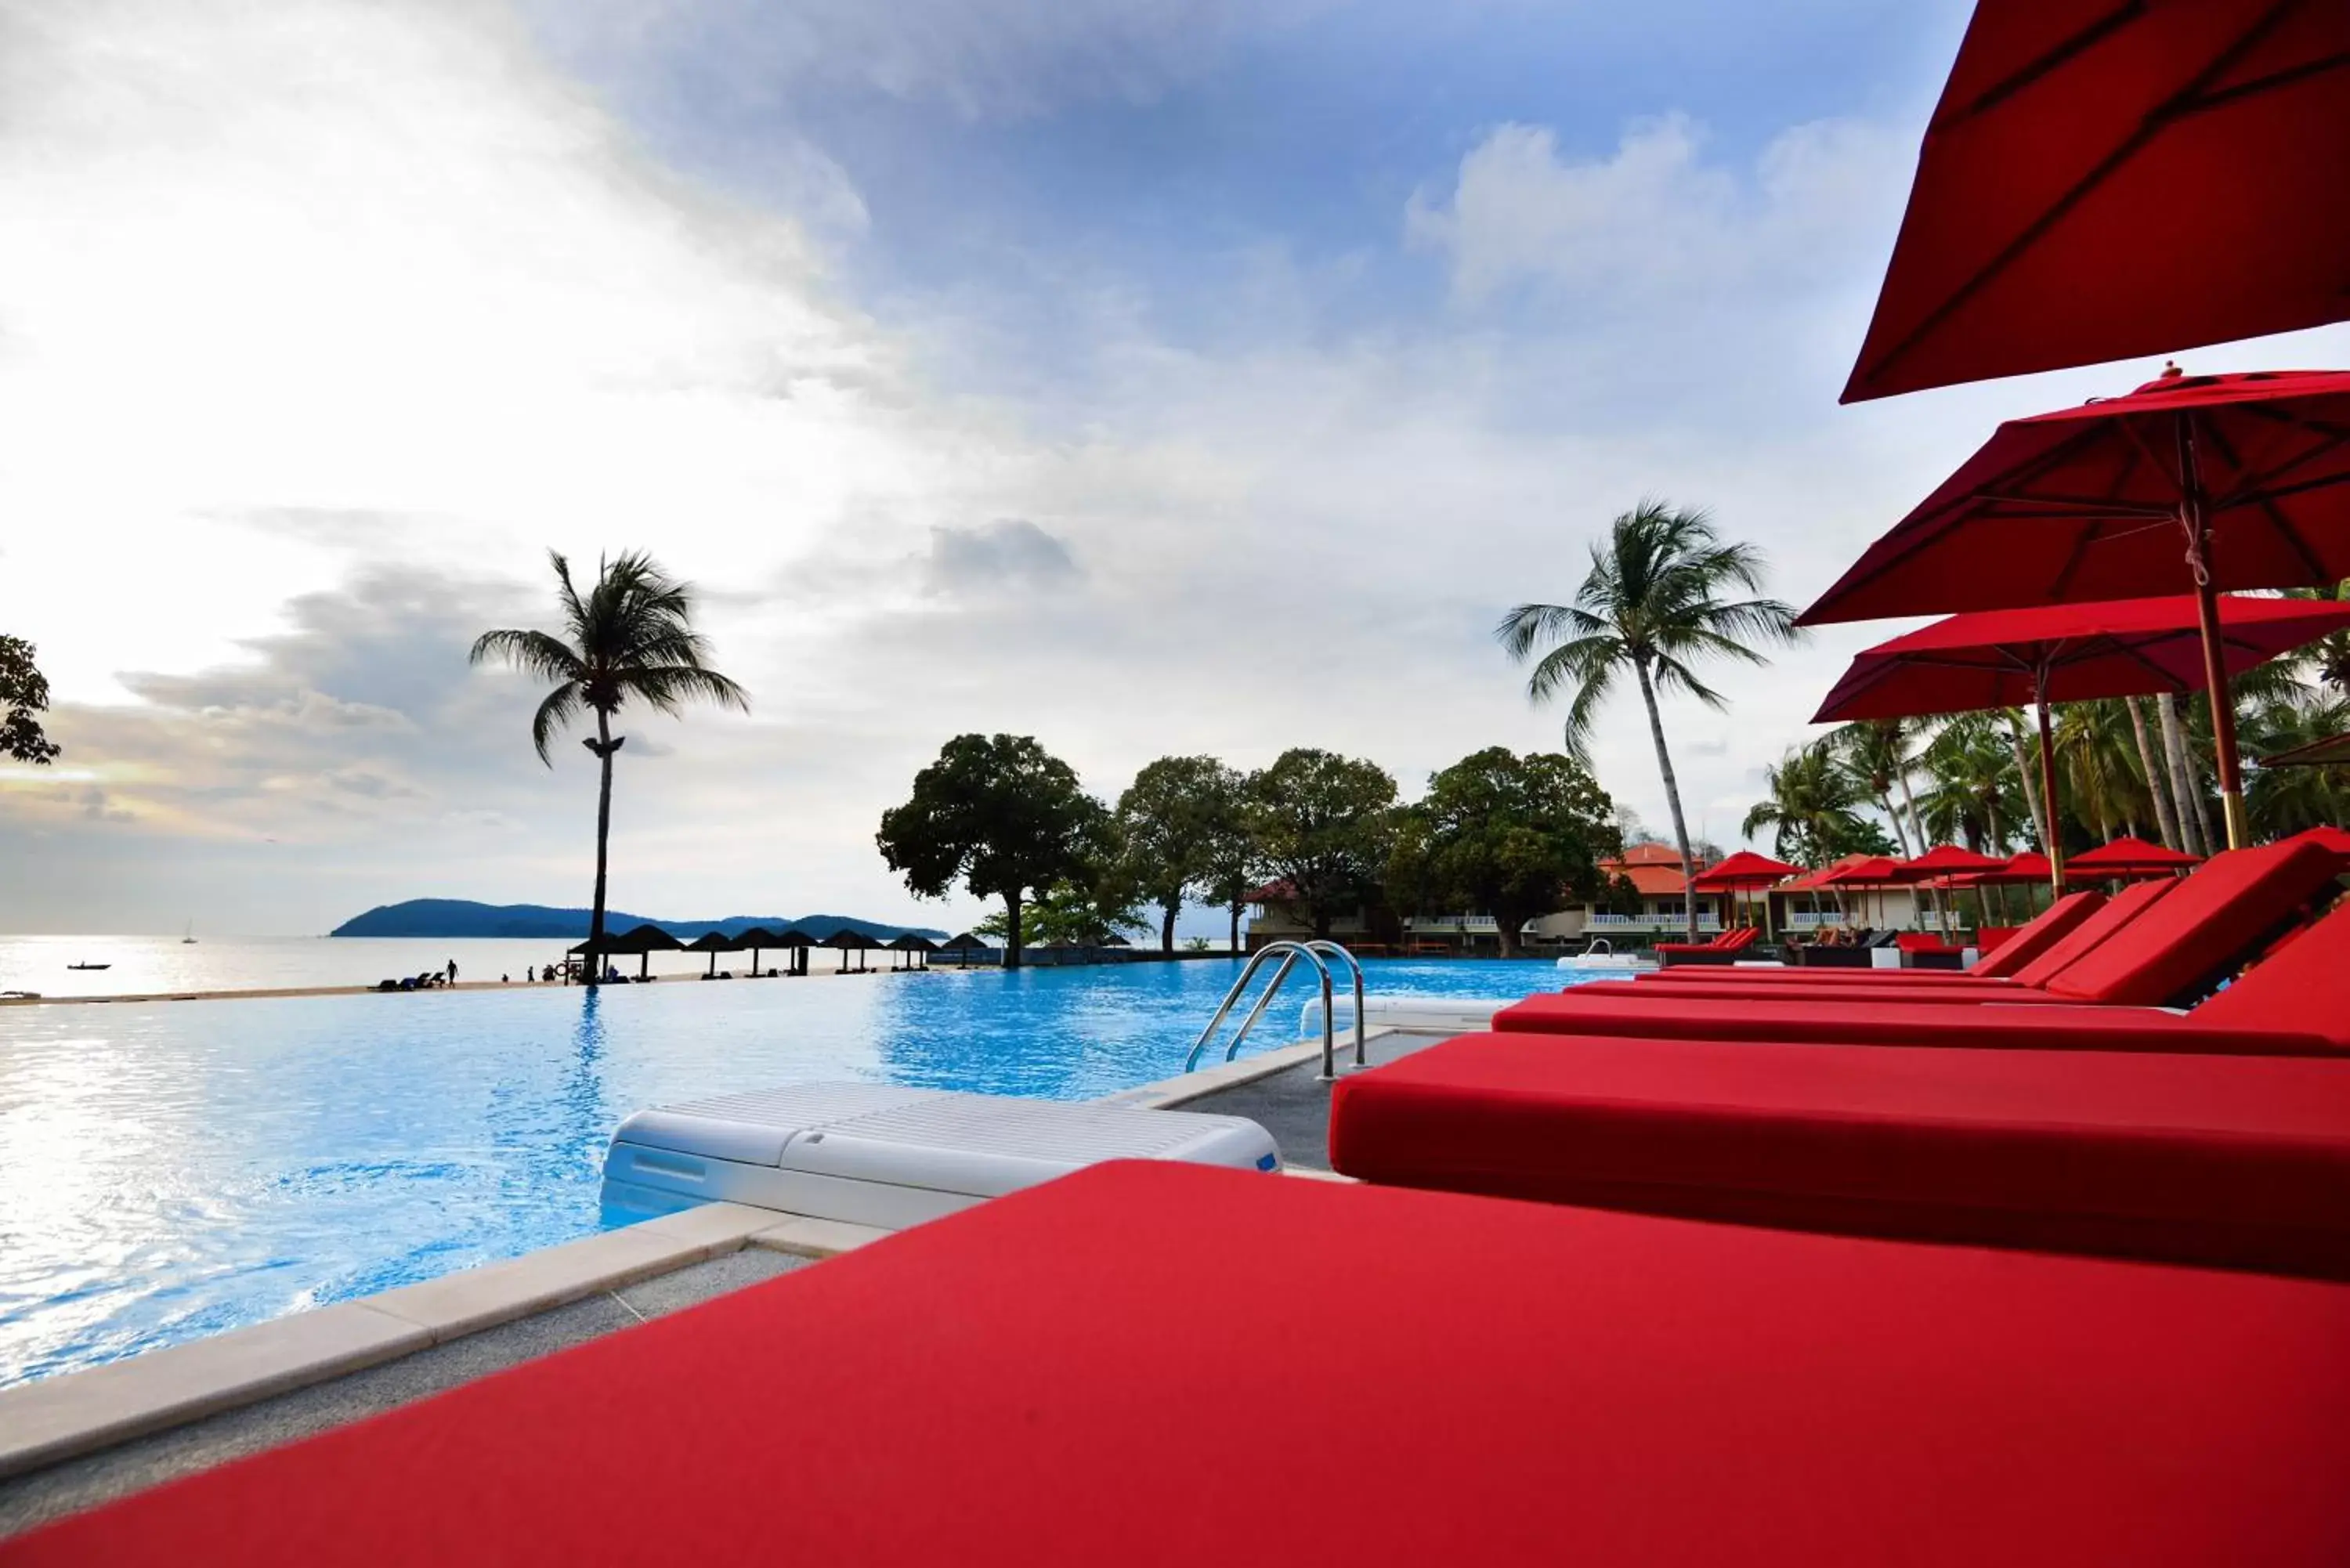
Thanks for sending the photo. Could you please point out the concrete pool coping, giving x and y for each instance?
(74, 1414)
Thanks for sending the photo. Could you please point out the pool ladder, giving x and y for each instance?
(1316, 953)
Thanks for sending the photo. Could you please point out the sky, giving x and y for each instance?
(1153, 378)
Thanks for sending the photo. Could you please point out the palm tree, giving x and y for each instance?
(1875, 753)
(1972, 771)
(1651, 603)
(2287, 800)
(2098, 754)
(632, 638)
(1811, 793)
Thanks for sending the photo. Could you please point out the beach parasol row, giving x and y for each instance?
(2103, 180)
(646, 940)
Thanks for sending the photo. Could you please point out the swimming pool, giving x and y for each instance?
(169, 1170)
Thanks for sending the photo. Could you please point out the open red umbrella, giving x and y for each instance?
(2191, 482)
(2132, 859)
(1742, 871)
(2109, 178)
(1940, 863)
(2068, 653)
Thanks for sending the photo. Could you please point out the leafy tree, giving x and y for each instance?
(24, 693)
(1171, 818)
(1002, 814)
(1230, 855)
(2282, 801)
(1972, 790)
(1809, 808)
(630, 639)
(1652, 602)
(1322, 822)
(1514, 836)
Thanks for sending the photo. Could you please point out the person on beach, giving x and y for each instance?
(451, 972)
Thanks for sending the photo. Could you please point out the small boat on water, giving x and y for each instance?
(89, 966)
(188, 940)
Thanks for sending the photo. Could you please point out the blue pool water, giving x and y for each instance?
(169, 1170)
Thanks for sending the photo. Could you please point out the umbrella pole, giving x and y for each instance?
(2206, 614)
(2055, 846)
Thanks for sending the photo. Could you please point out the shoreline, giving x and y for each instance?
(262, 994)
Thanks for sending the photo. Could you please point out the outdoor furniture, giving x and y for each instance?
(2237, 1160)
(1525, 1386)
(1720, 949)
(2192, 933)
(2293, 1001)
(2004, 951)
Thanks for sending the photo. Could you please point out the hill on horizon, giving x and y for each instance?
(453, 918)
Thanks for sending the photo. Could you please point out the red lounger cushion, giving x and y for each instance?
(2028, 942)
(1910, 1021)
(2182, 946)
(1088, 1374)
(2229, 1159)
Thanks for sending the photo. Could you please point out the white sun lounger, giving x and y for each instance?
(878, 1154)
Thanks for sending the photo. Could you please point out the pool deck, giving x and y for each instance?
(77, 1439)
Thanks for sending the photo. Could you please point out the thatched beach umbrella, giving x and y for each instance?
(962, 947)
(713, 943)
(644, 941)
(909, 943)
(755, 940)
(847, 941)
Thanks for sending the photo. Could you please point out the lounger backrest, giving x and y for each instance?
(2210, 922)
(2302, 986)
(1743, 937)
(2055, 923)
(2093, 933)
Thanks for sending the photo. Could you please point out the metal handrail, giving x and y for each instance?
(1290, 953)
(1335, 951)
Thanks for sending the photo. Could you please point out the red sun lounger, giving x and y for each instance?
(2190, 938)
(1091, 1372)
(2295, 1000)
(2235, 1161)
(2030, 940)
(2087, 934)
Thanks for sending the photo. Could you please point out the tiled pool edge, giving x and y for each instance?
(77, 1413)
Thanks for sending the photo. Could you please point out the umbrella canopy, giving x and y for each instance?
(2191, 482)
(2131, 857)
(2031, 866)
(908, 943)
(641, 939)
(2332, 752)
(2101, 180)
(1743, 869)
(848, 939)
(2069, 653)
(714, 942)
(965, 943)
(1869, 871)
(1947, 860)
(756, 938)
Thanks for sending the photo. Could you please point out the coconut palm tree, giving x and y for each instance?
(1811, 793)
(2099, 755)
(1875, 753)
(2286, 800)
(631, 639)
(1973, 773)
(1652, 602)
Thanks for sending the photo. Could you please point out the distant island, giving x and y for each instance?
(451, 918)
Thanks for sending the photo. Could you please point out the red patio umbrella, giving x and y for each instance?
(2068, 653)
(2104, 179)
(2191, 482)
(1941, 863)
(2132, 859)
(1742, 871)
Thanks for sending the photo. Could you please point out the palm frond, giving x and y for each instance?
(532, 652)
(559, 708)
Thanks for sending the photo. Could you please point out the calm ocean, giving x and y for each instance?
(141, 966)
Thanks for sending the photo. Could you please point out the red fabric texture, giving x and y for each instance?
(2078, 503)
(2118, 648)
(2304, 983)
(2103, 181)
(2291, 1030)
(1040, 1382)
(2238, 1160)
(2021, 946)
(1727, 943)
(2206, 924)
(1731, 988)
(2120, 911)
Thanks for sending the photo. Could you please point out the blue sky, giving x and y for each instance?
(1152, 377)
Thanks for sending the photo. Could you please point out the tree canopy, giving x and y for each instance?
(1323, 824)
(1172, 821)
(1000, 814)
(24, 695)
(1515, 836)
